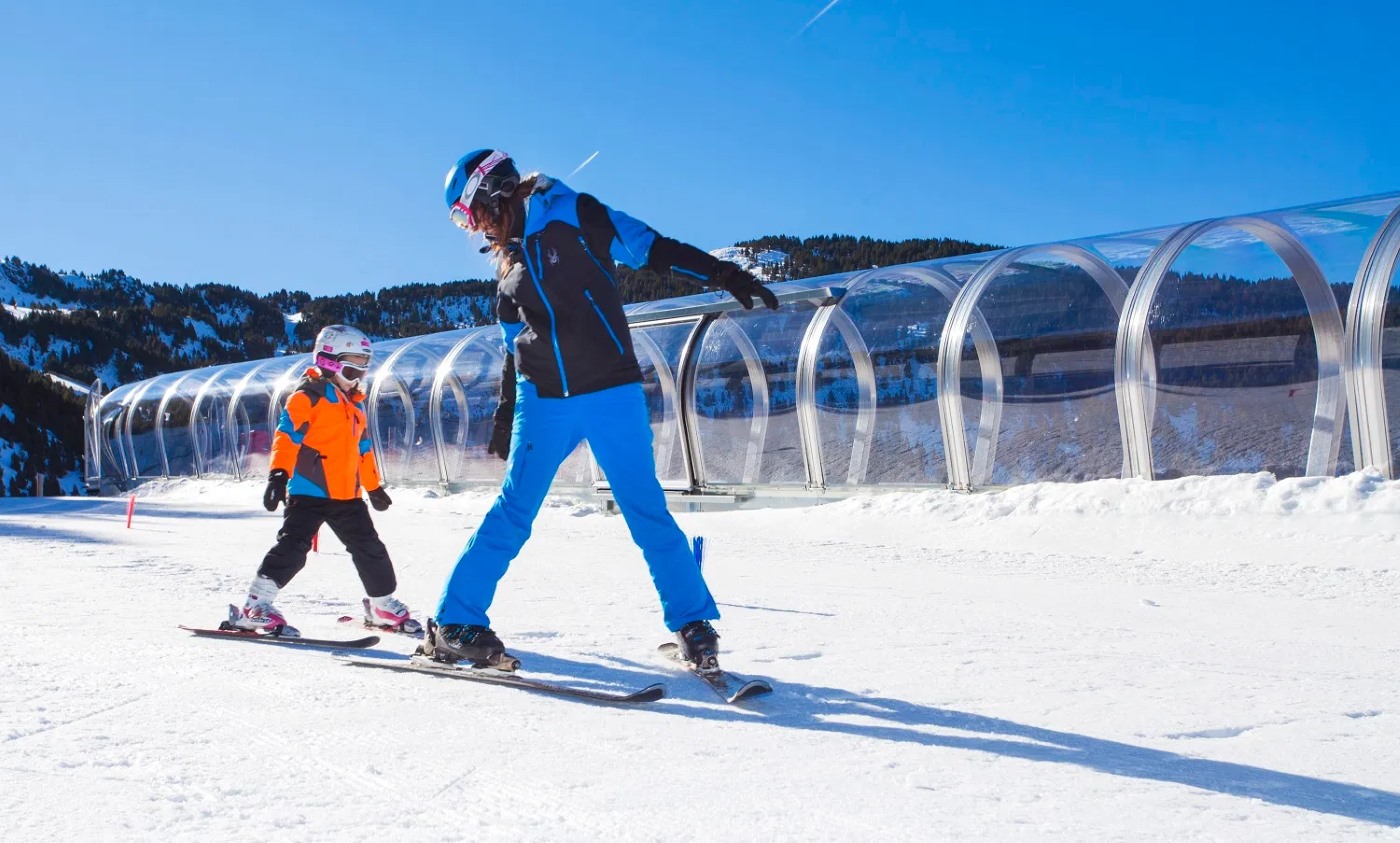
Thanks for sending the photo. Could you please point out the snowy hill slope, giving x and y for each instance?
(1207, 658)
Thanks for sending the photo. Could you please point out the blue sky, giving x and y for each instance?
(303, 144)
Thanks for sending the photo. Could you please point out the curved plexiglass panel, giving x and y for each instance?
(209, 419)
(876, 380)
(469, 386)
(745, 397)
(253, 410)
(1237, 361)
(400, 405)
(177, 440)
(111, 415)
(142, 436)
(1052, 315)
(1390, 351)
(659, 349)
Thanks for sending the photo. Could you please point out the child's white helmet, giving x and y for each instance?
(343, 353)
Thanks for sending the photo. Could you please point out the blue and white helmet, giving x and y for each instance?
(485, 176)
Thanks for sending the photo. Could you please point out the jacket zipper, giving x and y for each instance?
(598, 310)
(596, 262)
(553, 323)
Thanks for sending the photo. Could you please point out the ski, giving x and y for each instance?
(490, 676)
(415, 632)
(731, 687)
(272, 638)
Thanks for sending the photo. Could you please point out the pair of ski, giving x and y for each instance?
(731, 687)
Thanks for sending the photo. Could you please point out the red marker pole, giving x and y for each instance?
(130, 510)
(316, 541)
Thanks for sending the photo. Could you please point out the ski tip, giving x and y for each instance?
(657, 688)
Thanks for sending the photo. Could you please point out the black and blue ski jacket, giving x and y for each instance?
(560, 309)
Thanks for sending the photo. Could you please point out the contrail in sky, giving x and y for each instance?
(584, 164)
(816, 18)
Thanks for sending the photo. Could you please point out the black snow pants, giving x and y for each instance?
(350, 521)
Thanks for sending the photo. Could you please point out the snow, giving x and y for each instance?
(1208, 658)
(203, 329)
(80, 388)
(291, 321)
(765, 264)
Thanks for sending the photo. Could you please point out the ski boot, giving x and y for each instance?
(451, 643)
(699, 646)
(258, 614)
(388, 612)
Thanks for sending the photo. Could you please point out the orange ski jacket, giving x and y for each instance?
(323, 441)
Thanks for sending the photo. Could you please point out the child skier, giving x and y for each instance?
(321, 459)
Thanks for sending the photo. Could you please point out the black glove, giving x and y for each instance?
(379, 499)
(505, 412)
(742, 285)
(276, 491)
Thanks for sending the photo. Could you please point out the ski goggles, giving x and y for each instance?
(352, 367)
(492, 188)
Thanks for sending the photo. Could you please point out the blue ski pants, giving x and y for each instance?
(545, 431)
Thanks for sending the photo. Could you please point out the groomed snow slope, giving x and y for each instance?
(1206, 658)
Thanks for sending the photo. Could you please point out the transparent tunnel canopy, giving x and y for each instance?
(177, 437)
(1054, 327)
(210, 429)
(254, 408)
(111, 414)
(746, 397)
(470, 385)
(659, 350)
(401, 394)
(1237, 362)
(142, 437)
(1213, 347)
(1390, 362)
(884, 414)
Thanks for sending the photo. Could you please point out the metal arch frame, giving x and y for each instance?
(376, 389)
(948, 286)
(92, 442)
(807, 416)
(1370, 423)
(440, 379)
(758, 424)
(281, 387)
(1135, 377)
(962, 472)
(274, 392)
(808, 419)
(130, 416)
(669, 397)
(199, 399)
(118, 454)
(170, 392)
(689, 418)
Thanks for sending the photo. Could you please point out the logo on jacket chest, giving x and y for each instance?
(552, 256)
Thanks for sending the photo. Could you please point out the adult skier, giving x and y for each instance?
(322, 457)
(570, 375)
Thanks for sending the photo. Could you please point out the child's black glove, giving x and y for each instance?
(379, 499)
(742, 285)
(276, 491)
